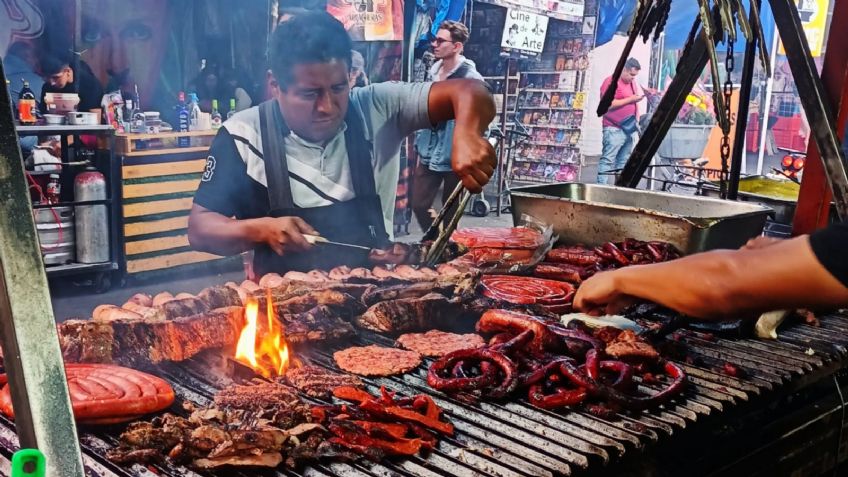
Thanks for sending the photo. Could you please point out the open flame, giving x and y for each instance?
(266, 352)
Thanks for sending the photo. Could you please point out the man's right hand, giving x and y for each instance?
(284, 234)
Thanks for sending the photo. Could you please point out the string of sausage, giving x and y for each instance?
(103, 393)
(555, 295)
(498, 237)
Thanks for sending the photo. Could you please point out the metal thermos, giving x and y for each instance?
(92, 221)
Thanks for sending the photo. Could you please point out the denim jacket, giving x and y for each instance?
(434, 145)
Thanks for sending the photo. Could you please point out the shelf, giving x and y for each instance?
(547, 90)
(549, 109)
(166, 135)
(500, 78)
(74, 268)
(63, 129)
(551, 126)
(158, 152)
(542, 161)
(552, 144)
(72, 204)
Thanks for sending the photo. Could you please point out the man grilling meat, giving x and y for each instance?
(322, 159)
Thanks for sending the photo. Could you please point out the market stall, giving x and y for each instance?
(460, 355)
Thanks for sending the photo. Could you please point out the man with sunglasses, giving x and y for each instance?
(434, 145)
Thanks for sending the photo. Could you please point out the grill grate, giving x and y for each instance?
(515, 439)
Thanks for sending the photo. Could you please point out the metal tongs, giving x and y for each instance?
(440, 235)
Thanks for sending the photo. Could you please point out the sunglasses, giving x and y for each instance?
(439, 41)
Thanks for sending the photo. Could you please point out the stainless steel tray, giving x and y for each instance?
(593, 214)
(784, 209)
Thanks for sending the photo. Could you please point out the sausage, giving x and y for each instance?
(112, 313)
(298, 276)
(271, 280)
(104, 394)
(497, 321)
(340, 273)
(142, 299)
(250, 286)
(183, 296)
(162, 298)
(145, 311)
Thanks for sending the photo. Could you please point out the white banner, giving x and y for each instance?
(524, 31)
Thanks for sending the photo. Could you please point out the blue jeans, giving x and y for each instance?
(616, 150)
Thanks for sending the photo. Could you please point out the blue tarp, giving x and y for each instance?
(616, 15)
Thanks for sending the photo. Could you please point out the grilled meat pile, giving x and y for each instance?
(556, 366)
(252, 425)
(576, 263)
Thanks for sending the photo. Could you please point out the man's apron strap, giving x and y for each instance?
(274, 156)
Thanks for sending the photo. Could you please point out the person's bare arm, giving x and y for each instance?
(209, 231)
(470, 103)
(617, 103)
(722, 284)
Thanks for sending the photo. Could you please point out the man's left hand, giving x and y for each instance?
(473, 159)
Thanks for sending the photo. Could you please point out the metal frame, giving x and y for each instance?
(815, 197)
(812, 94)
(32, 358)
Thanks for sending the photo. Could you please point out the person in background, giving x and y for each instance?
(358, 78)
(231, 88)
(624, 111)
(62, 76)
(810, 271)
(21, 63)
(434, 146)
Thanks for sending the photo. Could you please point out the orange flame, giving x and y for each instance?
(267, 354)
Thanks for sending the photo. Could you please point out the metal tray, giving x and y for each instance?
(784, 209)
(593, 214)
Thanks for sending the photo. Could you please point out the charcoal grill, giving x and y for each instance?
(783, 412)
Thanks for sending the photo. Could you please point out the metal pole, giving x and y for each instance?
(815, 197)
(688, 71)
(742, 110)
(817, 106)
(32, 357)
(501, 140)
(764, 111)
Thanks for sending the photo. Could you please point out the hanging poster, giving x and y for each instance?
(813, 15)
(571, 11)
(524, 31)
(369, 20)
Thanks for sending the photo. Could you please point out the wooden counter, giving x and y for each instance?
(159, 182)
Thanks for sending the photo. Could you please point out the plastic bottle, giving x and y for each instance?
(182, 115)
(26, 105)
(194, 113)
(216, 116)
(232, 110)
(53, 190)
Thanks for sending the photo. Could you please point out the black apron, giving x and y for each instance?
(358, 221)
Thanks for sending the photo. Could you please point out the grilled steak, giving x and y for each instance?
(318, 324)
(438, 343)
(413, 290)
(137, 341)
(256, 396)
(376, 360)
(318, 382)
(409, 314)
(341, 302)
